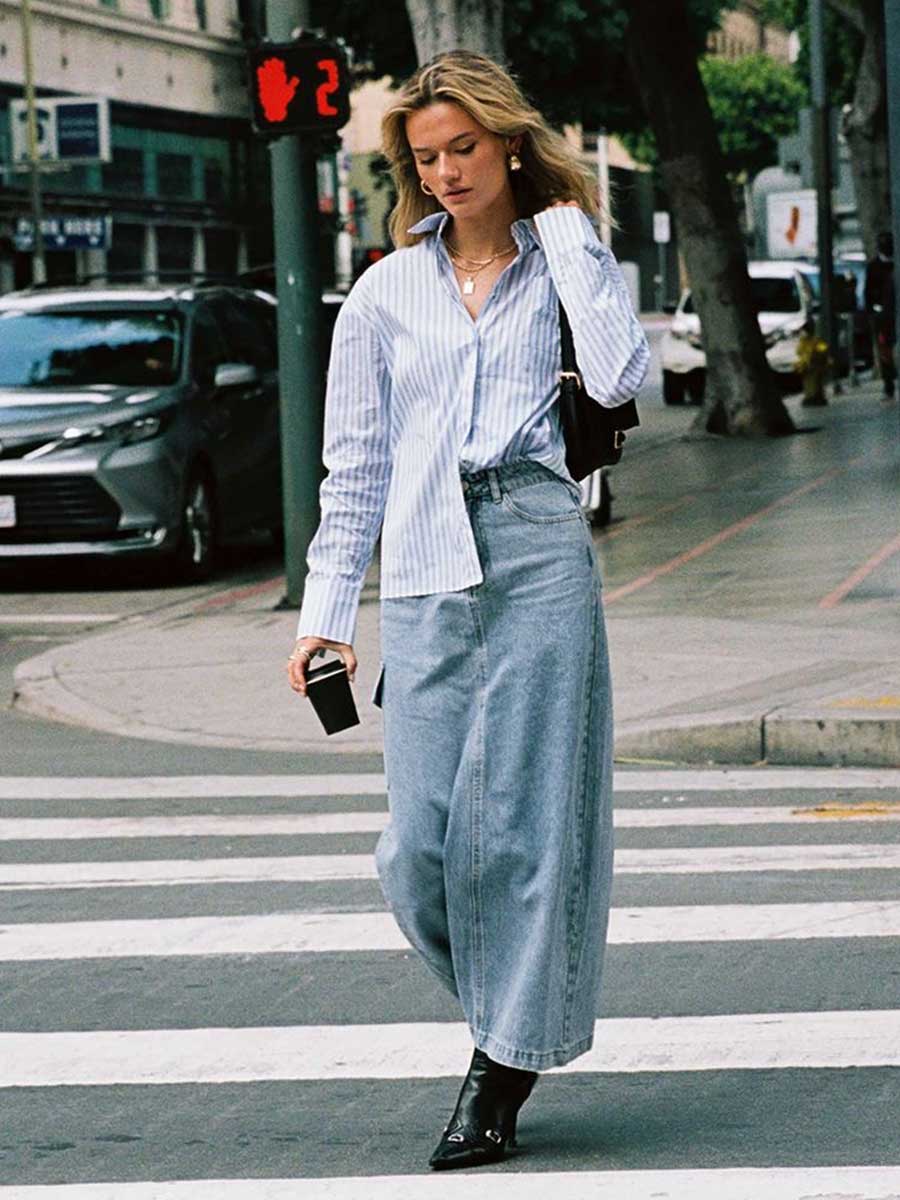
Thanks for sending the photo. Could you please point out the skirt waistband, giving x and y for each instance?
(505, 477)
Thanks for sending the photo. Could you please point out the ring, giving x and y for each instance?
(302, 652)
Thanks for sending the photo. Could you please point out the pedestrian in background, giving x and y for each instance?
(880, 305)
(441, 423)
(812, 362)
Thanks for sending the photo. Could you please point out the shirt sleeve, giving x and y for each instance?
(356, 454)
(610, 344)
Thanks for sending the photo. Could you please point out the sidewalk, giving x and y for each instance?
(752, 594)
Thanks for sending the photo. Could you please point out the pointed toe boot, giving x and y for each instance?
(483, 1125)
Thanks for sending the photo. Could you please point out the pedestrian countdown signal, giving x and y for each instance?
(301, 86)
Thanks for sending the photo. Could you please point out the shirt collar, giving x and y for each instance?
(522, 230)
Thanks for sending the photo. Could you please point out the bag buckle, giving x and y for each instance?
(618, 439)
(571, 375)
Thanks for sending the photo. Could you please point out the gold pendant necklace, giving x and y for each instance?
(469, 282)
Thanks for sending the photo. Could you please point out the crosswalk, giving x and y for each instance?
(205, 999)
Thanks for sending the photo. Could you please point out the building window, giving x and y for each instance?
(125, 174)
(174, 175)
(125, 256)
(174, 250)
(159, 9)
(200, 9)
(213, 181)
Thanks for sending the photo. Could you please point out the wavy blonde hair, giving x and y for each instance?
(492, 96)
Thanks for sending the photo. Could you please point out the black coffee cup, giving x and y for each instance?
(328, 687)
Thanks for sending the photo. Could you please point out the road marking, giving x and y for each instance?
(58, 618)
(723, 535)
(313, 868)
(733, 1042)
(737, 1183)
(26, 829)
(333, 933)
(866, 702)
(844, 588)
(178, 787)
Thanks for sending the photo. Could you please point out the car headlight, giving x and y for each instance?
(126, 433)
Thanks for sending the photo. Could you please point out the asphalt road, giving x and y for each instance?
(741, 994)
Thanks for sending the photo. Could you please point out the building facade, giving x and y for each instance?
(188, 186)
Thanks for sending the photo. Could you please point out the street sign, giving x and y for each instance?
(301, 86)
(70, 129)
(70, 232)
(662, 228)
(791, 224)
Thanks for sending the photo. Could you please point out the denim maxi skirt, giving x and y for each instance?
(496, 860)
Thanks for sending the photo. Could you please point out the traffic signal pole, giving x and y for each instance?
(823, 173)
(300, 369)
(892, 55)
(38, 262)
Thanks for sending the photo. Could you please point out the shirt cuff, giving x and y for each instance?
(329, 608)
(565, 230)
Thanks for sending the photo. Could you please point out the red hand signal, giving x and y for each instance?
(276, 91)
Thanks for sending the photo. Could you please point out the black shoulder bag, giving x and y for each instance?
(594, 435)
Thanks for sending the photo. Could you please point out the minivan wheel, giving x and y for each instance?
(195, 555)
(673, 388)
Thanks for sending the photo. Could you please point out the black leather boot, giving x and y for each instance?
(483, 1124)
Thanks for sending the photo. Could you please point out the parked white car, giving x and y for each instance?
(784, 301)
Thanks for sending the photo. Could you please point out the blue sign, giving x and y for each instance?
(65, 233)
(78, 130)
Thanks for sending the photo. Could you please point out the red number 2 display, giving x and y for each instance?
(326, 89)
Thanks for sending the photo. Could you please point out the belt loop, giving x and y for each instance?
(495, 484)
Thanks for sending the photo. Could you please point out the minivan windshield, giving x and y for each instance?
(770, 294)
(81, 348)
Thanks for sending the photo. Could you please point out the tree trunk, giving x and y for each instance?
(439, 25)
(865, 125)
(741, 394)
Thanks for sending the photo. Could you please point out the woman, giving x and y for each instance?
(441, 430)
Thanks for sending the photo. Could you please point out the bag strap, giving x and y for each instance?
(567, 347)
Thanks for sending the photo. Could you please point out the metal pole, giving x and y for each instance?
(298, 282)
(603, 184)
(38, 262)
(822, 160)
(892, 54)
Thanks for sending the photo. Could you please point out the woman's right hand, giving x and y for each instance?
(299, 662)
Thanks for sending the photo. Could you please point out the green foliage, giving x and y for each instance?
(754, 101)
(843, 46)
(568, 56)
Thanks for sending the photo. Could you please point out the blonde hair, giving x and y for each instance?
(491, 95)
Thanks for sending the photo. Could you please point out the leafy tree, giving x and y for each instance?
(742, 392)
(754, 102)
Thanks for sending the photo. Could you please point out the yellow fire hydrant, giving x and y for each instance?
(813, 363)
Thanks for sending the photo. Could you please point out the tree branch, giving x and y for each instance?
(850, 11)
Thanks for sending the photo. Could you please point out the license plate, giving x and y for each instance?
(7, 512)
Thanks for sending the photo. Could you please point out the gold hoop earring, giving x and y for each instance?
(425, 188)
(515, 163)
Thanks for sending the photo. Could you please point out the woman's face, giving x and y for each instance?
(454, 153)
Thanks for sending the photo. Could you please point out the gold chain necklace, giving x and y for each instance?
(479, 265)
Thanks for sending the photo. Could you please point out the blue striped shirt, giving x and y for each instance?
(418, 390)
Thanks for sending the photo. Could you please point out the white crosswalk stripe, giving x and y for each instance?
(311, 868)
(783, 1183)
(170, 787)
(741, 1042)
(43, 817)
(343, 933)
